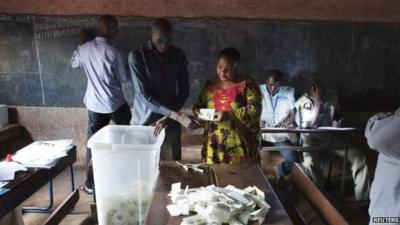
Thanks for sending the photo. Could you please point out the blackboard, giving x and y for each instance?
(359, 60)
(19, 75)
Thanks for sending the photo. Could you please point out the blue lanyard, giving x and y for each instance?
(273, 105)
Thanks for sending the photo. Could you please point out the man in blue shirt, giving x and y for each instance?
(105, 71)
(278, 111)
(161, 84)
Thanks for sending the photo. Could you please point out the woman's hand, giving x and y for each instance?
(218, 116)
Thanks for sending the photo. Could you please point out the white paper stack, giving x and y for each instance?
(8, 169)
(43, 154)
(217, 206)
(3, 183)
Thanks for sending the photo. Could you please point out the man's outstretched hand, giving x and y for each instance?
(159, 125)
(185, 120)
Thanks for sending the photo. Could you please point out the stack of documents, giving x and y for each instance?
(7, 171)
(43, 154)
(3, 183)
(217, 206)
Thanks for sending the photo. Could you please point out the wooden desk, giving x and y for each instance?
(343, 131)
(220, 175)
(27, 183)
(244, 176)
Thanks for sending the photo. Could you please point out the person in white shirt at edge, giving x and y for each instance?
(383, 135)
(278, 111)
(316, 108)
(105, 71)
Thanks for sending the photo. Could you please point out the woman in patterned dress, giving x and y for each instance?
(232, 138)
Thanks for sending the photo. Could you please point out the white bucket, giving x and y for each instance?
(125, 168)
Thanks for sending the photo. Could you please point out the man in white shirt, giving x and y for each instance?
(383, 135)
(314, 109)
(278, 111)
(105, 71)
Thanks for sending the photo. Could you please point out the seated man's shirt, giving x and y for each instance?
(275, 110)
(304, 107)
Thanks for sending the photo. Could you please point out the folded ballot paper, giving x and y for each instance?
(43, 154)
(8, 170)
(207, 114)
(217, 206)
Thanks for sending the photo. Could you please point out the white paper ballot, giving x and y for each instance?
(3, 183)
(8, 169)
(43, 154)
(194, 220)
(207, 114)
(259, 215)
(174, 210)
(175, 188)
(217, 206)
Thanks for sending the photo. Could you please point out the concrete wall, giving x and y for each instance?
(338, 10)
(51, 123)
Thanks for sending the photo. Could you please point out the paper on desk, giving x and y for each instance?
(3, 183)
(335, 128)
(194, 220)
(217, 205)
(8, 169)
(43, 154)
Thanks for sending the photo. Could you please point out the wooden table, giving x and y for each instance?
(220, 175)
(27, 183)
(341, 131)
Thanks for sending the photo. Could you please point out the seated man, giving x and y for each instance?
(316, 110)
(278, 111)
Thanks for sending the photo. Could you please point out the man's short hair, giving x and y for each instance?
(109, 21)
(231, 54)
(163, 25)
(275, 74)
